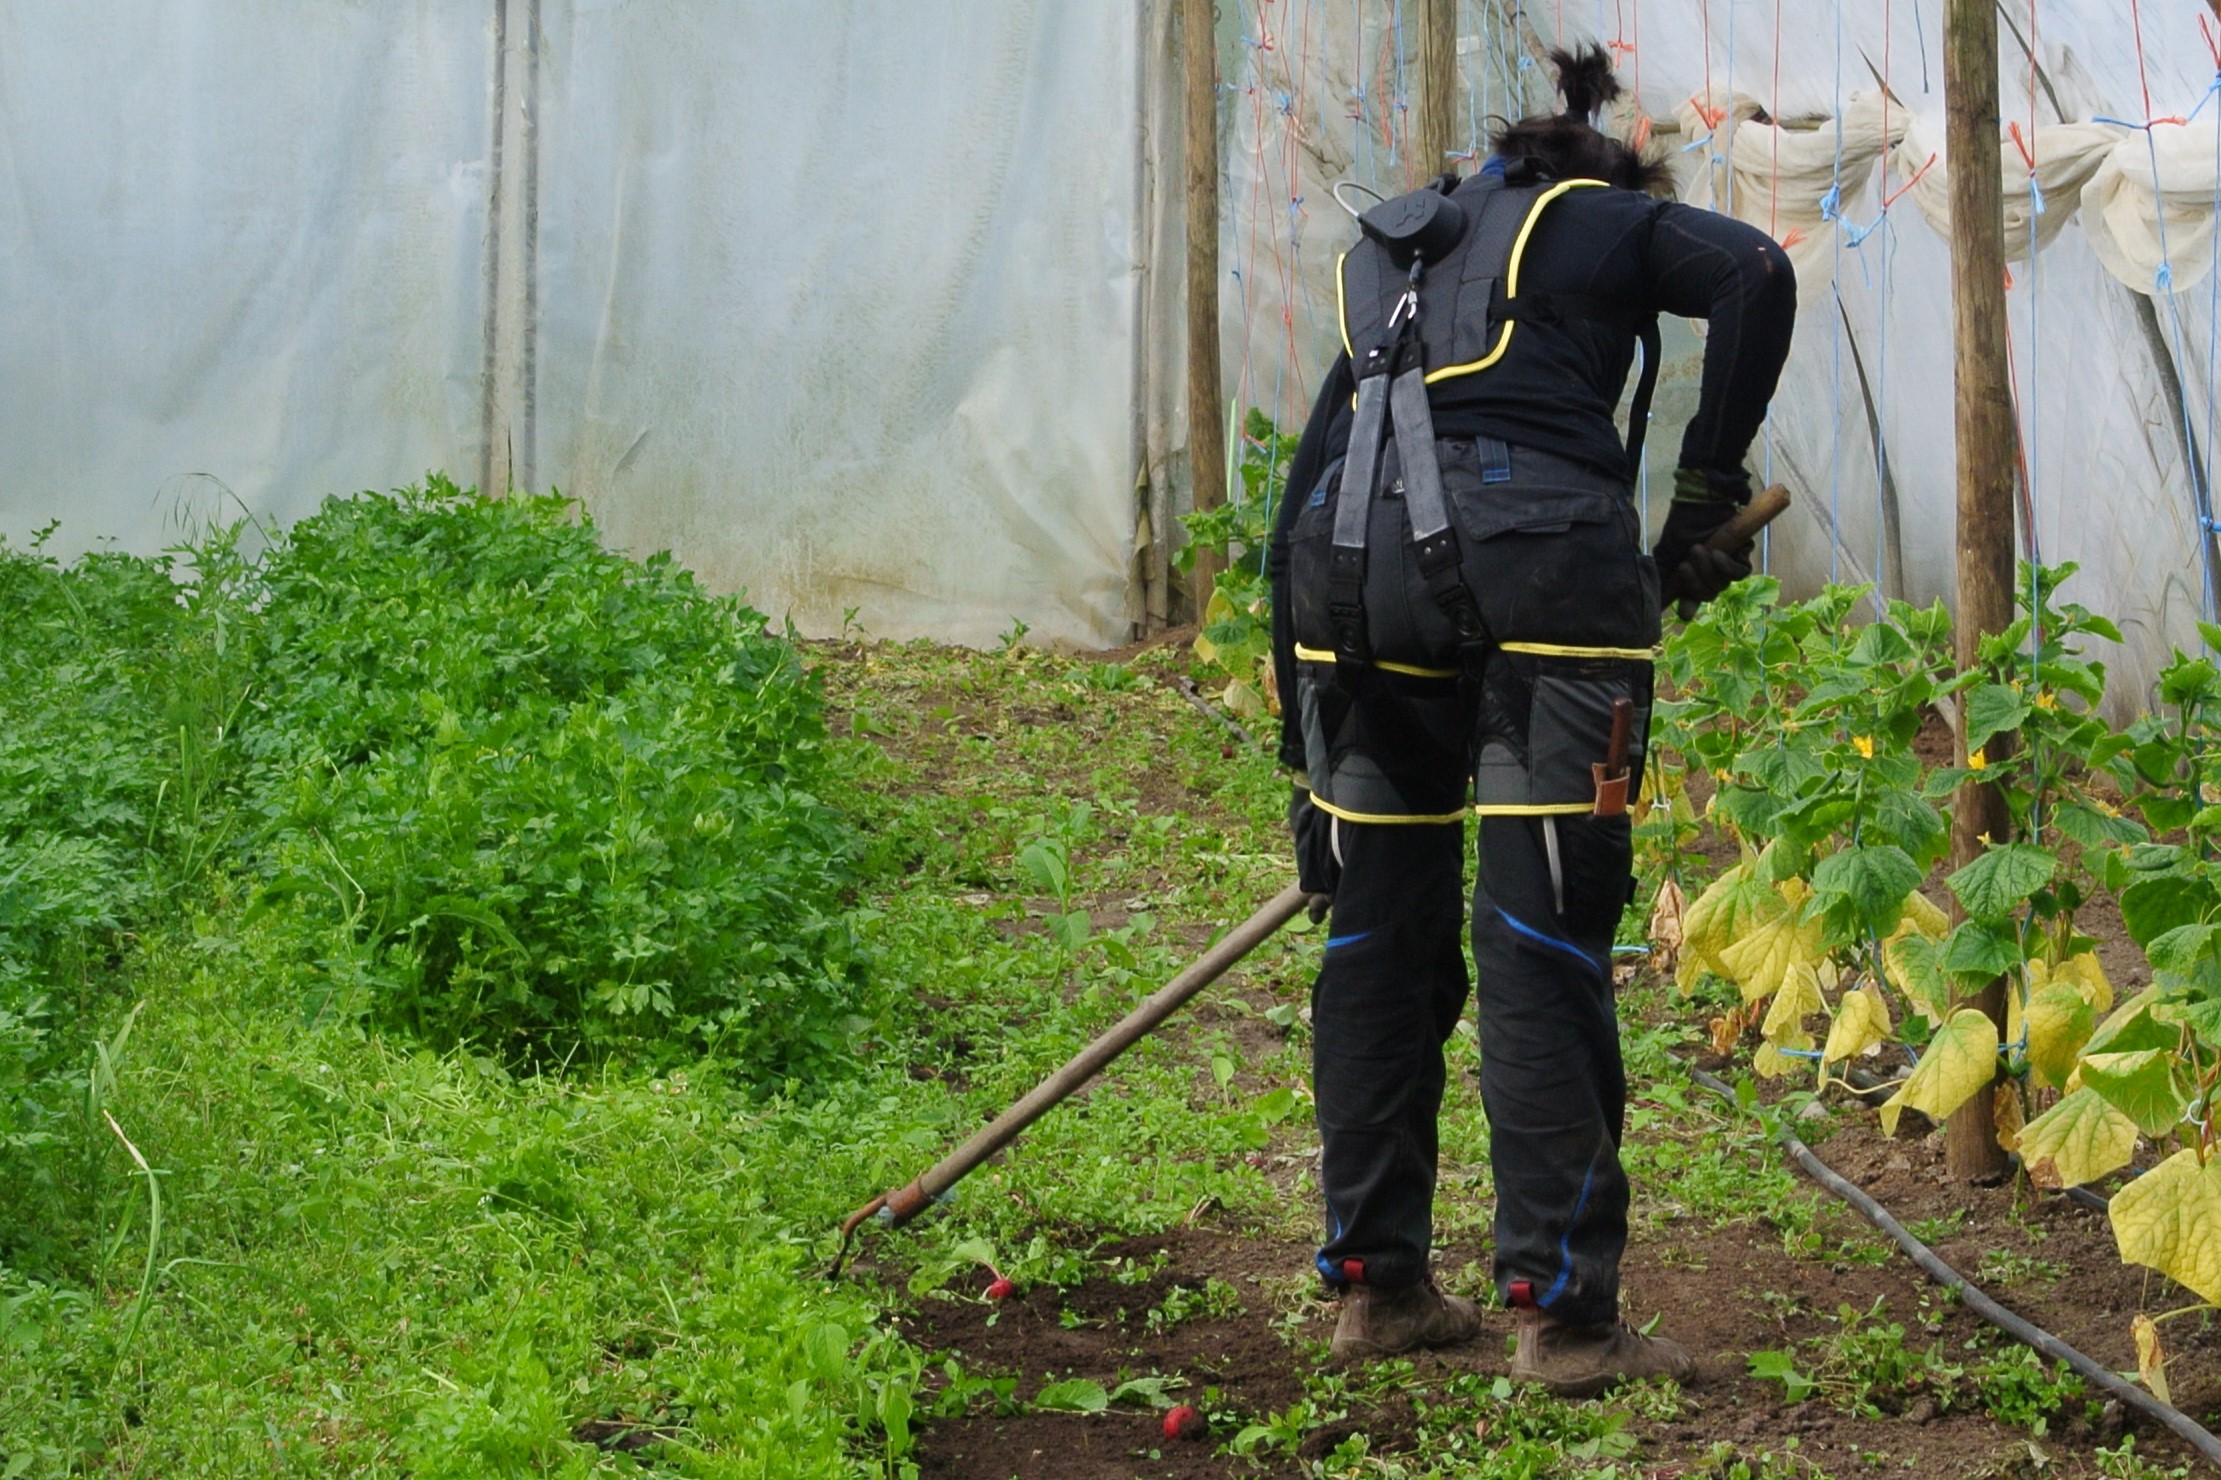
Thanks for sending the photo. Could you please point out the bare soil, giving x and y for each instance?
(1725, 1290)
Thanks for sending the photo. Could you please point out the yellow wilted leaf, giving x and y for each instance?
(2087, 977)
(1911, 963)
(2007, 1116)
(2059, 1023)
(1734, 905)
(1861, 1021)
(1665, 926)
(1922, 914)
(2078, 1140)
(1960, 1061)
(2165, 1219)
(1798, 999)
(1242, 701)
(1762, 961)
(2151, 1357)
(1773, 1057)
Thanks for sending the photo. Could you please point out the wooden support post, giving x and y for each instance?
(1206, 411)
(1986, 437)
(1438, 85)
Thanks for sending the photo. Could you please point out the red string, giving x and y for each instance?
(2136, 24)
(2213, 41)
(1705, 110)
(1890, 198)
(1773, 200)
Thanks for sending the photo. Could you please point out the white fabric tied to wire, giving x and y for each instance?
(1785, 181)
(2149, 208)
(2067, 156)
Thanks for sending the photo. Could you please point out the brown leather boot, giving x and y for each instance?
(1582, 1361)
(1384, 1323)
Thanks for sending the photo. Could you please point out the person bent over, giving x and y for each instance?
(1464, 617)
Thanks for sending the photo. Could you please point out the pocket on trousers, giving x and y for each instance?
(1597, 855)
(1545, 720)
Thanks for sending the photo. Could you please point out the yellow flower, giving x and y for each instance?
(2047, 700)
(1977, 761)
(1864, 744)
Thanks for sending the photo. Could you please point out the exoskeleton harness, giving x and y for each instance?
(1430, 293)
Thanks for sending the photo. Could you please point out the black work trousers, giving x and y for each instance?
(1571, 607)
(1388, 999)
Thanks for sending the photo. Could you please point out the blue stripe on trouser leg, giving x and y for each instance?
(1551, 1076)
(1386, 1000)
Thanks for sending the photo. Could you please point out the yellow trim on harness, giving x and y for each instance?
(1342, 307)
(1390, 819)
(1531, 809)
(1322, 655)
(1561, 650)
(1511, 285)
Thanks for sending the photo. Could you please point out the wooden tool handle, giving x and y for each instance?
(1765, 507)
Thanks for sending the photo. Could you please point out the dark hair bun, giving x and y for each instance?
(1587, 79)
(1567, 145)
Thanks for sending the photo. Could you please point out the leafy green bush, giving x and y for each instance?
(532, 795)
(81, 782)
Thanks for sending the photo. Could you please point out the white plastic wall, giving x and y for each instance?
(239, 239)
(837, 301)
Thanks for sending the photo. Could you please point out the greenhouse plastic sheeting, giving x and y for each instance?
(239, 249)
(838, 301)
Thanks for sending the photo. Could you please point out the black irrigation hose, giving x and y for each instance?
(1189, 691)
(2173, 1419)
(2084, 1197)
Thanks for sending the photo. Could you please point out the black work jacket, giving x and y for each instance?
(1558, 383)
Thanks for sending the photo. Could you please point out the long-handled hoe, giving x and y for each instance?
(899, 1205)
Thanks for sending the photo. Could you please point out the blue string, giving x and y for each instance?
(2164, 281)
(1830, 207)
(1728, 116)
(1403, 90)
(1361, 142)
(2033, 417)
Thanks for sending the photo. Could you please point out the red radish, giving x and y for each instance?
(1001, 1289)
(1184, 1422)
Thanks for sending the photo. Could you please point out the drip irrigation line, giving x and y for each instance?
(1188, 691)
(2173, 1419)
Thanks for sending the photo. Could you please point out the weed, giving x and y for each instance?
(1213, 1300)
(2010, 1267)
(2124, 1463)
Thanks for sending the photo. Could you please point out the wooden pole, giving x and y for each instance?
(1206, 411)
(1986, 438)
(1438, 81)
(901, 1204)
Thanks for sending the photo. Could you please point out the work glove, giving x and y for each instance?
(1313, 831)
(1687, 571)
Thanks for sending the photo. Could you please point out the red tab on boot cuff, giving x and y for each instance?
(1353, 1270)
(1522, 1293)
